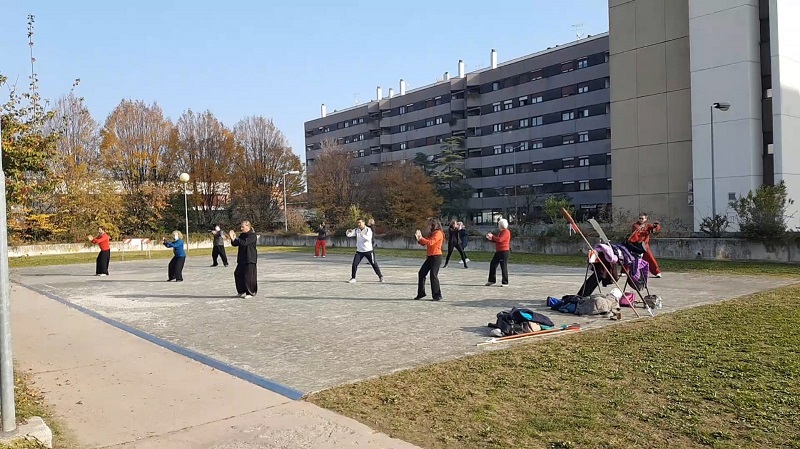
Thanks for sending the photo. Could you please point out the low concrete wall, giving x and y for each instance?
(74, 248)
(686, 249)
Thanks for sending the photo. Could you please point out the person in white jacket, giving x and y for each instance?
(363, 236)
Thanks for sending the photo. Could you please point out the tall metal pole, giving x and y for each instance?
(186, 209)
(285, 211)
(7, 408)
(713, 186)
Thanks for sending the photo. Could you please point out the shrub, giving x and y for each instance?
(762, 214)
(714, 226)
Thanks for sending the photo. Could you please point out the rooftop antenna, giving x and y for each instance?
(579, 34)
(355, 99)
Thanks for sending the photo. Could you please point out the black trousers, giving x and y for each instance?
(460, 249)
(589, 285)
(246, 278)
(101, 267)
(431, 266)
(500, 258)
(370, 256)
(219, 251)
(175, 270)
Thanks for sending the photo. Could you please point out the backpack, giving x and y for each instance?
(507, 325)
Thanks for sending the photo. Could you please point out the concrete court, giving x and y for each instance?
(310, 330)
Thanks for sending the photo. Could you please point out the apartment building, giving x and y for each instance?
(705, 103)
(530, 126)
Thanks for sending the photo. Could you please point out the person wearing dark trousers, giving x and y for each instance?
(433, 260)
(364, 250)
(245, 274)
(104, 257)
(175, 269)
(219, 247)
(454, 241)
(464, 236)
(502, 249)
(322, 240)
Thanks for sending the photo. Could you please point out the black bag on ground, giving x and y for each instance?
(523, 315)
(507, 325)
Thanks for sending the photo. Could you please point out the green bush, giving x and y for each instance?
(762, 214)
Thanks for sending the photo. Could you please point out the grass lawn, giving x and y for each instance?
(723, 376)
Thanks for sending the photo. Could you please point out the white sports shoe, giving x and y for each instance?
(657, 275)
(468, 261)
(461, 261)
(103, 275)
(352, 281)
(247, 296)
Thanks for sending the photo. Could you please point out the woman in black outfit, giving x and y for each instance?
(454, 241)
(245, 273)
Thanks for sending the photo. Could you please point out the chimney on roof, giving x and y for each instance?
(378, 93)
(461, 68)
(391, 92)
(446, 76)
(494, 58)
(323, 111)
(402, 87)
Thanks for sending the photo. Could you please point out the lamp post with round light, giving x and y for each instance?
(185, 180)
(722, 107)
(285, 210)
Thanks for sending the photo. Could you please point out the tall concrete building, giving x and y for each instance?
(533, 125)
(679, 66)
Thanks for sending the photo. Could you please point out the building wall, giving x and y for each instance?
(651, 97)
(785, 56)
(725, 67)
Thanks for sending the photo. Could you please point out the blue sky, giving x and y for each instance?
(280, 59)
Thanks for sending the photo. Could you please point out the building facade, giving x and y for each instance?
(705, 103)
(531, 126)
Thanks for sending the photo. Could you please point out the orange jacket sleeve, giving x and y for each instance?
(436, 237)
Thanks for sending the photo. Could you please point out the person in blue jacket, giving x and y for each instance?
(175, 270)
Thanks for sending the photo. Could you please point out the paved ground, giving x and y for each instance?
(115, 390)
(309, 329)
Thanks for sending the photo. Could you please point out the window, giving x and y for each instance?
(537, 166)
(568, 115)
(361, 120)
(439, 120)
(524, 146)
(583, 88)
(583, 162)
(583, 63)
(498, 149)
(508, 126)
(536, 121)
(361, 169)
(566, 91)
(498, 127)
(584, 185)
(496, 107)
(346, 140)
(568, 162)
(403, 128)
(327, 129)
(536, 144)
(478, 193)
(523, 101)
(402, 109)
(568, 139)
(567, 66)
(403, 145)
(346, 124)
(509, 148)
(495, 86)
(498, 171)
(429, 122)
(583, 136)
(583, 113)
(437, 101)
(362, 153)
(509, 169)
(360, 137)
(536, 75)
(536, 98)
(355, 121)
(508, 104)
(524, 123)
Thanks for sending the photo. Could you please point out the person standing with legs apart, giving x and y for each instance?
(433, 260)
(502, 249)
(175, 270)
(104, 242)
(363, 236)
(245, 274)
(641, 238)
(322, 240)
(462, 233)
(219, 247)
(454, 241)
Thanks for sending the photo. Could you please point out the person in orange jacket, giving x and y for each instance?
(502, 249)
(433, 260)
(641, 231)
(104, 242)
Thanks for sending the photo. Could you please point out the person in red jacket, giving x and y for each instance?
(102, 240)
(502, 249)
(433, 260)
(641, 231)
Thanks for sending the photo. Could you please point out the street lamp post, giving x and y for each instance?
(7, 407)
(722, 107)
(185, 180)
(285, 209)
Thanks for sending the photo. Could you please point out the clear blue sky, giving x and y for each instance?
(280, 59)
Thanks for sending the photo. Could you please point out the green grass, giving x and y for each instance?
(721, 376)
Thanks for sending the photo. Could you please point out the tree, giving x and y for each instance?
(332, 184)
(79, 141)
(206, 150)
(263, 157)
(449, 175)
(554, 203)
(135, 151)
(762, 214)
(402, 197)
